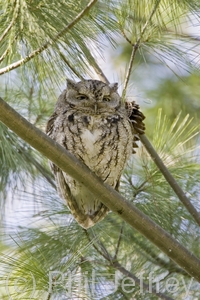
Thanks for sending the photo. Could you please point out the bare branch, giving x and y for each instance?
(50, 42)
(106, 194)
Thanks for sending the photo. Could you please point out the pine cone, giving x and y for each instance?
(136, 117)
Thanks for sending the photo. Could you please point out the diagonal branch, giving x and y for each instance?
(9, 48)
(98, 70)
(15, 16)
(168, 176)
(115, 264)
(106, 194)
(170, 179)
(50, 42)
(148, 287)
(40, 168)
(72, 68)
(3, 56)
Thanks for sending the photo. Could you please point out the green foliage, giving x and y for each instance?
(148, 188)
(56, 249)
(40, 257)
(26, 26)
(162, 35)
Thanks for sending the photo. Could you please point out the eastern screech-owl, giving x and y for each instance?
(91, 122)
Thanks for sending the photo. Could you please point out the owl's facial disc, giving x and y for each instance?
(93, 94)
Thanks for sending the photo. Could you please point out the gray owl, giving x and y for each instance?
(91, 121)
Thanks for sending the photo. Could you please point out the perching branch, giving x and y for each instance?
(49, 43)
(106, 194)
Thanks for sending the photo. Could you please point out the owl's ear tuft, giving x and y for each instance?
(71, 84)
(113, 86)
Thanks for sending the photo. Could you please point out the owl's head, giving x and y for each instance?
(92, 94)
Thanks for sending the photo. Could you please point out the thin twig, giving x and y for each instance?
(99, 71)
(8, 49)
(120, 268)
(114, 263)
(182, 35)
(40, 168)
(52, 288)
(69, 65)
(104, 252)
(118, 242)
(15, 15)
(135, 48)
(170, 179)
(125, 36)
(50, 42)
(91, 240)
(5, 54)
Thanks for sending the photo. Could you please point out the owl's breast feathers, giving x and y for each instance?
(102, 141)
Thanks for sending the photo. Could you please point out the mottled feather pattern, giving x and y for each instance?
(91, 122)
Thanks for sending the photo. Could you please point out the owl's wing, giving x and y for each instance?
(50, 124)
(84, 219)
(50, 131)
(136, 118)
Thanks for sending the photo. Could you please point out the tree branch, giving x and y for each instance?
(119, 267)
(114, 263)
(118, 242)
(106, 194)
(99, 71)
(40, 168)
(49, 43)
(170, 179)
(153, 256)
(5, 54)
(72, 68)
(168, 176)
(15, 15)
(135, 48)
